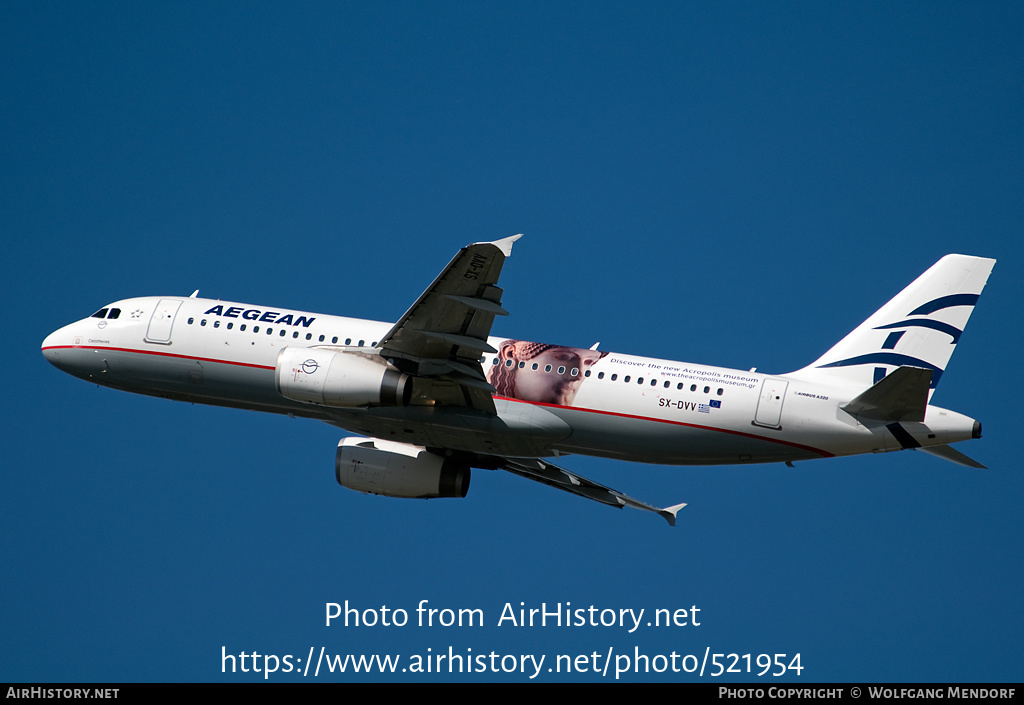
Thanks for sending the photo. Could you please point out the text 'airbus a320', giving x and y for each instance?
(434, 395)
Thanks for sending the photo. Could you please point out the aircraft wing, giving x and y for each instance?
(441, 338)
(549, 474)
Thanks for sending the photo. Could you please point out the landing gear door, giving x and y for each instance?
(162, 321)
(769, 405)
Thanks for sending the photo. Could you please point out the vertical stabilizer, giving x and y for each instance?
(920, 327)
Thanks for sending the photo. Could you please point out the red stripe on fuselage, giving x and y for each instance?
(823, 453)
(161, 354)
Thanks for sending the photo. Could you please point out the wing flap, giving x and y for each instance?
(463, 341)
(551, 475)
(479, 304)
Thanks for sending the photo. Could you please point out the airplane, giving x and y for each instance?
(434, 395)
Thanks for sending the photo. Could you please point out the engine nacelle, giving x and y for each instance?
(335, 378)
(391, 469)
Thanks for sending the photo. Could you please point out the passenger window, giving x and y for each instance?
(242, 327)
(614, 377)
(508, 363)
(270, 331)
(321, 339)
(679, 386)
(348, 341)
(360, 343)
(202, 322)
(547, 368)
(283, 332)
(720, 390)
(600, 375)
(626, 378)
(639, 380)
(522, 364)
(230, 325)
(654, 383)
(190, 321)
(334, 339)
(575, 372)
(216, 324)
(587, 373)
(693, 387)
(707, 389)
(535, 365)
(561, 370)
(255, 329)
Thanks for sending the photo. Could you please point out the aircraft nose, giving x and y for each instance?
(56, 342)
(63, 349)
(49, 348)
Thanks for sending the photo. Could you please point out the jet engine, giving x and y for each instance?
(344, 379)
(391, 469)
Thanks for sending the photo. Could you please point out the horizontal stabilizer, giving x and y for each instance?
(953, 455)
(901, 396)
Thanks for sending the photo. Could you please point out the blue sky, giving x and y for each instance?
(738, 184)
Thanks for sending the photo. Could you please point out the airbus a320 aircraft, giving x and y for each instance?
(435, 395)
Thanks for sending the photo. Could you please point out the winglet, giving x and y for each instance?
(505, 244)
(669, 513)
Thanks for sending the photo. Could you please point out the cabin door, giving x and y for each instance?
(162, 321)
(769, 405)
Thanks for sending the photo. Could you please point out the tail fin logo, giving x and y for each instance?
(945, 302)
(896, 359)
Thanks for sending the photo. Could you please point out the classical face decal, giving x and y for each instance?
(549, 374)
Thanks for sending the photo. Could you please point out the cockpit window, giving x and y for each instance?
(102, 313)
(114, 313)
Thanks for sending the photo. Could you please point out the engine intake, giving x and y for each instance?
(373, 466)
(343, 379)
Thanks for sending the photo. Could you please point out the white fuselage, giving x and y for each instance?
(622, 406)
